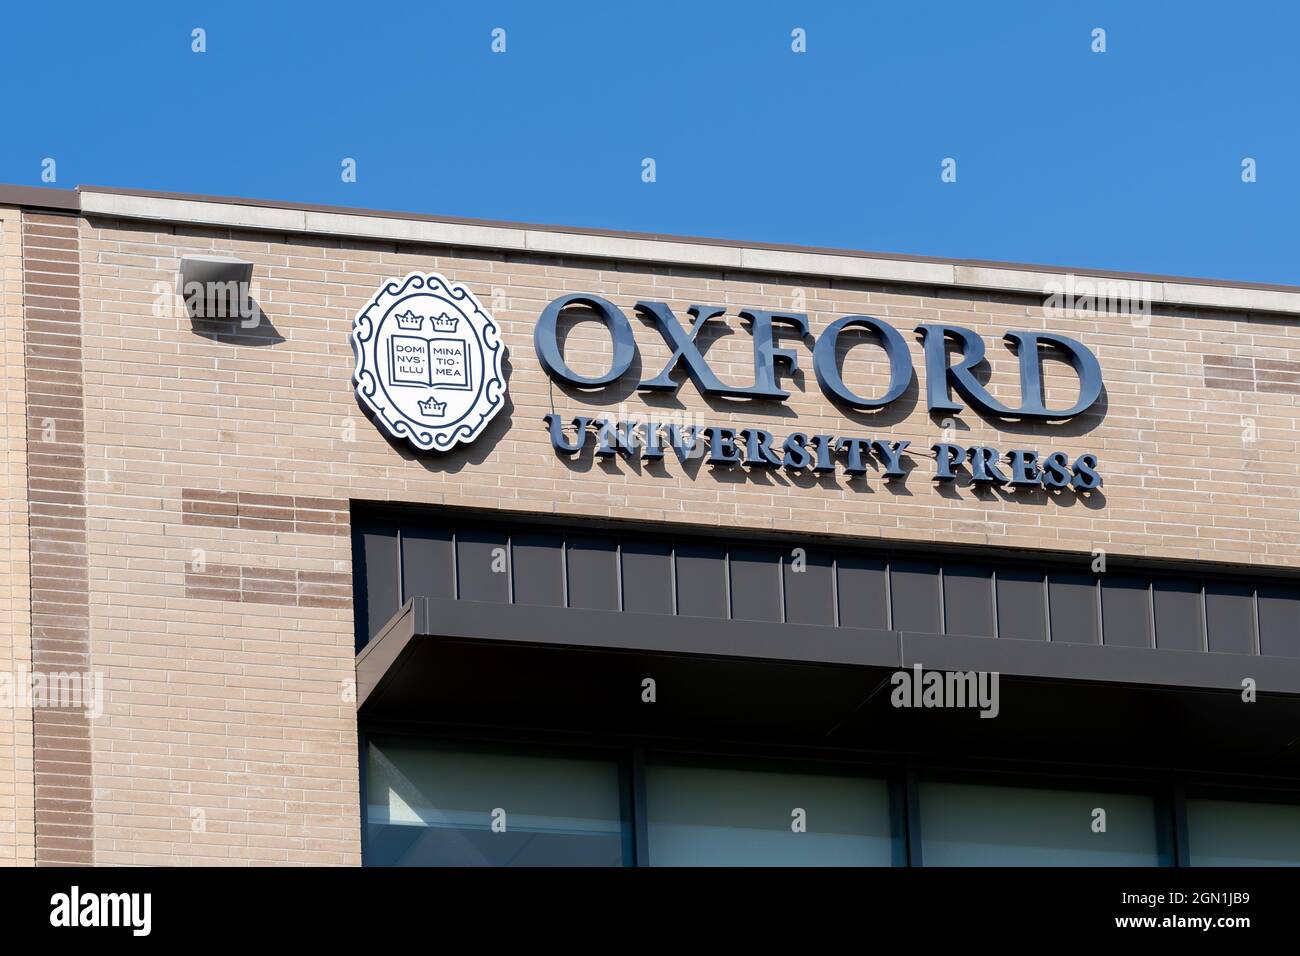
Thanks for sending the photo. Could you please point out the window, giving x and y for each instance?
(975, 825)
(433, 803)
(1240, 833)
(449, 807)
(714, 816)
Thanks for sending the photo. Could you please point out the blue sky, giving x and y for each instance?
(1128, 159)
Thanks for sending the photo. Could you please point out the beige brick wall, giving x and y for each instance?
(17, 834)
(227, 738)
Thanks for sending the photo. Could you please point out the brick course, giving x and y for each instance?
(17, 830)
(1250, 373)
(56, 492)
(255, 512)
(288, 586)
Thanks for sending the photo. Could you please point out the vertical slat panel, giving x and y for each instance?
(1072, 598)
(756, 584)
(862, 589)
(538, 568)
(1279, 621)
(593, 573)
(1230, 618)
(647, 577)
(427, 563)
(809, 593)
(379, 587)
(764, 585)
(1178, 614)
(1125, 611)
(482, 570)
(914, 594)
(1022, 613)
(967, 600)
(701, 581)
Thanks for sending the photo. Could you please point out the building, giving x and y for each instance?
(337, 537)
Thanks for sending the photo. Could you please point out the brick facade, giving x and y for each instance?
(280, 419)
(218, 467)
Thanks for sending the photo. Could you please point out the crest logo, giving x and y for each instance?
(428, 361)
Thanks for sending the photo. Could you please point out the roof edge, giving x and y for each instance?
(39, 197)
(706, 252)
(693, 240)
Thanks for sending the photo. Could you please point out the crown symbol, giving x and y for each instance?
(432, 407)
(443, 323)
(409, 320)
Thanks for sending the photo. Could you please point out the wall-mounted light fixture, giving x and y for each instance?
(216, 287)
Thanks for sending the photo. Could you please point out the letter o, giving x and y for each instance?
(828, 372)
(548, 347)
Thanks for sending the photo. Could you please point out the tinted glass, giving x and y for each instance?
(436, 807)
(976, 825)
(1237, 833)
(707, 816)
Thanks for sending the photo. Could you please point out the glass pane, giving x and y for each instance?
(975, 825)
(436, 807)
(705, 816)
(1238, 833)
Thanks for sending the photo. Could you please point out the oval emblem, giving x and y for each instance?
(428, 361)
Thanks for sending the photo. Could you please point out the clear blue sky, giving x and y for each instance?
(1128, 159)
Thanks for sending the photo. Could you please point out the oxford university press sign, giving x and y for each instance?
(429, 369)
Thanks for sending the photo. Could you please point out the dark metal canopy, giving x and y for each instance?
(468, 664)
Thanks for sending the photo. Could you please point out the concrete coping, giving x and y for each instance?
(766, 258)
